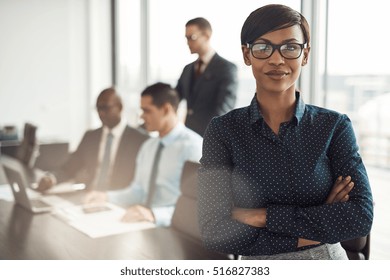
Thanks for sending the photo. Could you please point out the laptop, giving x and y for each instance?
(17, 175)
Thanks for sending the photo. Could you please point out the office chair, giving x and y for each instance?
(358, 248)
(185, 216)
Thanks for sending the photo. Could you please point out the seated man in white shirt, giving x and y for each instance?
(159, 103)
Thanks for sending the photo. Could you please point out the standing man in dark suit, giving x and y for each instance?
(86, 164)
(208, 84)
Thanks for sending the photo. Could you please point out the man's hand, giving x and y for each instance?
(95, 197)
(46, 182)
(340, 190)
(138, 213)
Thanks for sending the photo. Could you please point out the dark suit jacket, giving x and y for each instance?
(212, 94)
(82, 164)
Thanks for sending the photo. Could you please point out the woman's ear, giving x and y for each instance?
(304, 61)
(246, 55)
(305, 56)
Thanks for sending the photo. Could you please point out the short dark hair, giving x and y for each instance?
(111, 91)
(200, 22)
(162, 93)
(270, 18)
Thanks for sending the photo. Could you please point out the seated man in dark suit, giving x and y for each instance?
(105, 157)
(209, 84)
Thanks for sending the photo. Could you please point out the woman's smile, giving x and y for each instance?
(276, 74)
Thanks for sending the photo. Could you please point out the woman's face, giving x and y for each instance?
(277, 74)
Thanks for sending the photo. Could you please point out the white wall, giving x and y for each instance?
(54, 60)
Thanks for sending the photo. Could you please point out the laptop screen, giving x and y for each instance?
(27, 152)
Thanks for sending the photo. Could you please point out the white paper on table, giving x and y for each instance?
(101, 223)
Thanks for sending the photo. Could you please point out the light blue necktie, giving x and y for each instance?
(103, 180)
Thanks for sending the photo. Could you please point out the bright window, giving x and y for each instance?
(357, 82)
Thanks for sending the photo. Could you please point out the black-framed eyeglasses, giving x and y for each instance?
(265, 50)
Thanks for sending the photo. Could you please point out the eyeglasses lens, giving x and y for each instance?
(289, 51)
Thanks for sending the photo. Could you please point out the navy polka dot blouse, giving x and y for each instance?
(244, 164)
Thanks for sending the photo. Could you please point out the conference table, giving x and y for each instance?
(28, 236)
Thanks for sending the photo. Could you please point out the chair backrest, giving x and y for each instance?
(185, 216)
(358, 248)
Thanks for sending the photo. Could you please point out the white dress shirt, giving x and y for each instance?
(180, 145)
(117, 132)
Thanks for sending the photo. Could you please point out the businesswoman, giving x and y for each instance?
(281, 179)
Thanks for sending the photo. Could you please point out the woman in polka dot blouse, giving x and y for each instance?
(270, 184)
